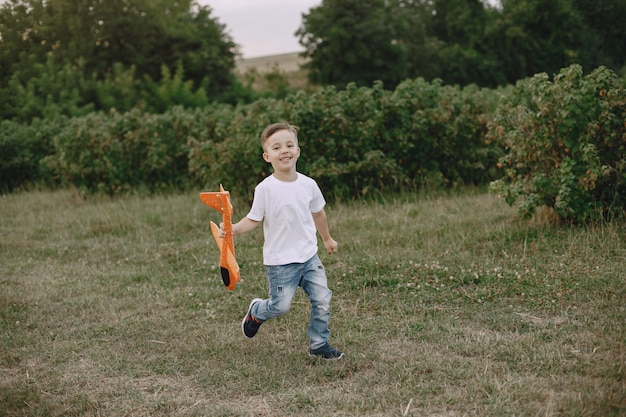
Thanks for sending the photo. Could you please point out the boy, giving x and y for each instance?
(291, 206)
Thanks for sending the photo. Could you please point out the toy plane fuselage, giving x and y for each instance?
(228, 265)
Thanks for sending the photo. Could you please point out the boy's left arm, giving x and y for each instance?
(321, 224)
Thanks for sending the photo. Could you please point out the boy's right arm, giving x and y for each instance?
(244, 225)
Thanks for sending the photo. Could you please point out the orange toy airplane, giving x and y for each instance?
(228, 265)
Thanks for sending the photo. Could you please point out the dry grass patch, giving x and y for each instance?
(445, 306)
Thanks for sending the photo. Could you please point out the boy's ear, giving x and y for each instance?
(266, 157)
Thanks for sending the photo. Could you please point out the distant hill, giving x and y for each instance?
(289, 62)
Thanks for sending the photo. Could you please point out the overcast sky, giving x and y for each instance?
(262, 27)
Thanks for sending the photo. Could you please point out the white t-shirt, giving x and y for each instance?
(288, 227)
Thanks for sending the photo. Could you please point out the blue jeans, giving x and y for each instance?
(283, 281)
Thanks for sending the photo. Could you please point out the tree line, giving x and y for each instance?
(69, 57)
(72, 57)
(460, 41)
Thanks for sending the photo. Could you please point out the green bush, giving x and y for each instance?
(172, 90)
(359, 141)
(559, 143)
(53, 91)
(355, 142)
(342, 145)
(22, 148)
(230, 152)
(112, 153)
(565, 143)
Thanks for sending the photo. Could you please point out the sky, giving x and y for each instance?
(262, 27)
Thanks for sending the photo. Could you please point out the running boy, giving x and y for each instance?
(291, 206)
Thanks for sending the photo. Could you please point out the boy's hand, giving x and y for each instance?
(331, 245)
(222, 232)
(245, 225)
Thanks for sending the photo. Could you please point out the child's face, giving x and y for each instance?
(282, 151)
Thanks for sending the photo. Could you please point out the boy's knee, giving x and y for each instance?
(321, 299)
(323, 308)
(279, 308)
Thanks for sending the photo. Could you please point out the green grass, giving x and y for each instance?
(445, 306)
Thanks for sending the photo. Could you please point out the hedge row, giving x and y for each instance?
(355, 142)
(559, 143)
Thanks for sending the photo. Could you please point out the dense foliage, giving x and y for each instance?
(566, 144)
(355, 142)
(68, 57)
(140, 95)
(22, 149)
(353, 41)
(558, 143)
(62, 57)
(460, 41)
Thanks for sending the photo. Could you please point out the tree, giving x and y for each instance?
(465, 59)
(22, 42)
(96, 37)
(534, 36)
(352, 41)
(412, 19)
(604, 37)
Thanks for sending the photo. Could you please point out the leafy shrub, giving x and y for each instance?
(342, 143)
(119, 89)
(22, 147)
(52, 91)
(355, 142)
(172, 91)
(49, 90)
(350, 145)
(120, 152)
(565, 143)
(231, 154)
(359, 141)
(367, 139)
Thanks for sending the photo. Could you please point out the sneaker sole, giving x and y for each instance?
(337, 358)
(248, 312)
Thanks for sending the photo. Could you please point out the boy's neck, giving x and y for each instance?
(286, 176)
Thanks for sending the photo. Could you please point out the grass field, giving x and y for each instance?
(445, 305)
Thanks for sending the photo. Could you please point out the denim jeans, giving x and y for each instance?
(283, 281)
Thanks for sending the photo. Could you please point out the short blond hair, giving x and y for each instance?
(275, 127)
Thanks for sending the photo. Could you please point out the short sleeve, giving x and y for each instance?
(257, 211)
(317, 201)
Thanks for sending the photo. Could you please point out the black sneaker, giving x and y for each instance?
(327, 352)
(250, 325)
